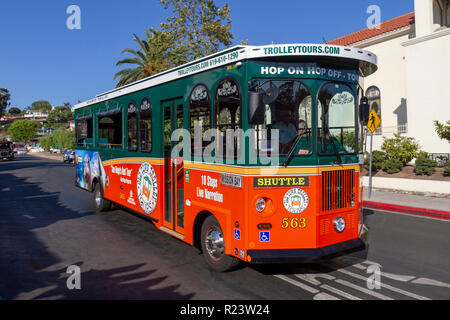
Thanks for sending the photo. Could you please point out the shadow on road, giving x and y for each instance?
(29, 269)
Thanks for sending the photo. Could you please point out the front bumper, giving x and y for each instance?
(305, 255)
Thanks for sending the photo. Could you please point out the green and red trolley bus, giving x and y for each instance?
(251, 154)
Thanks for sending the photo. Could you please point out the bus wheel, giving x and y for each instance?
(101, 204)
(213, 246)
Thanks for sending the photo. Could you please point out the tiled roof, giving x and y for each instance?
(387, 26)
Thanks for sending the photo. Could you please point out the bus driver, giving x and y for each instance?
(288, 133)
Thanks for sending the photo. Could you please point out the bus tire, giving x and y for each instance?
(213, 246)
(101, 204)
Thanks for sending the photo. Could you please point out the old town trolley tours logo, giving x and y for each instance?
(296, 200)
(147, 188)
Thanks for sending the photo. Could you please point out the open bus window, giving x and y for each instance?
(85, 132)
(336, 111)
(291, 114)
(200, 116)
(132, 127)
(145, 124)
(110, 129)
(228, 118)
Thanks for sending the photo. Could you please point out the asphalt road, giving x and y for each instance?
(47, 225)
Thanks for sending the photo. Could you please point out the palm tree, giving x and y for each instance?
(150, 58)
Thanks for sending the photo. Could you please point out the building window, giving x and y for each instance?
(132, 127)
(228, 118)
(441, 12)
(374, 97)
(145, 125)
(110, 128)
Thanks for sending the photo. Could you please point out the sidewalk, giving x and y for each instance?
(47, 155)
(417, 199)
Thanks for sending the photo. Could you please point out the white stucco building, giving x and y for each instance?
(411, 88)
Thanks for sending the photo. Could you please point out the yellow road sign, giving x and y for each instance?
(374, 121)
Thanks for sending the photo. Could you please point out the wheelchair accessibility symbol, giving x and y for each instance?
(264, 236)
(237, 234)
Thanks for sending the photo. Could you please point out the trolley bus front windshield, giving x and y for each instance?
(289, 109)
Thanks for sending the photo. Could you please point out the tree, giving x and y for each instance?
(60, 114)
(14, 111)
(64, 139)
(150, 59)
(58, 139)
(5, 96)
(197, 29)
(22, 130)
(443, 130)
(41, 105)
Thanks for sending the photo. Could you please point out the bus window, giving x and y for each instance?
(291, 114)
(228, 117)
(145, 124)
(85, 132)
(110, 129)
(200, 115)
(337, 120)
(132, 127)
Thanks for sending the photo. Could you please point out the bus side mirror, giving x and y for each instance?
(364, 110)
(256, 108)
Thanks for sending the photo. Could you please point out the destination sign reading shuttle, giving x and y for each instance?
(280, 182)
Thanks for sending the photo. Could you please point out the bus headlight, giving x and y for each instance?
(339, 224)
(260, 204)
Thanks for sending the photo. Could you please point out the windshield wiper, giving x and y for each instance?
(291, 151)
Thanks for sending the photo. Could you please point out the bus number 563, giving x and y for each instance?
(293, 223)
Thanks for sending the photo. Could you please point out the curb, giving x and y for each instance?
(409, 210)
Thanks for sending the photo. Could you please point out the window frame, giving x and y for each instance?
(216, 113)
(313, 111)
(132, 102)
(318, 120)
(140, 131)
(115, 111)
(210, 114)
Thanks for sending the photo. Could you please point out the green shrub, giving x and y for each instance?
(424, 165)
(392, 166)
(378, 159)
(400, 148)
(447, 171)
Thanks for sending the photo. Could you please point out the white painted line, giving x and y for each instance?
(324, 296)
(297, 283)
(364, 290)
(431, 282)
(397, 277)
(339, 292)
(311, 277)
(385, 286)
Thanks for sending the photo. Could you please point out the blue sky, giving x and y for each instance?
(41, 59)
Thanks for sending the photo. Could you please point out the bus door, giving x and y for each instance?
(173, 169)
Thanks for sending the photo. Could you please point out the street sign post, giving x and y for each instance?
(373, 123)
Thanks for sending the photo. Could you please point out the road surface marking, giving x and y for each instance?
(364, 290)
(324, 296)
(431, 282)
(385, 286)
(339, 292)
(397, 277)
(297, 284)
(311, 277)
